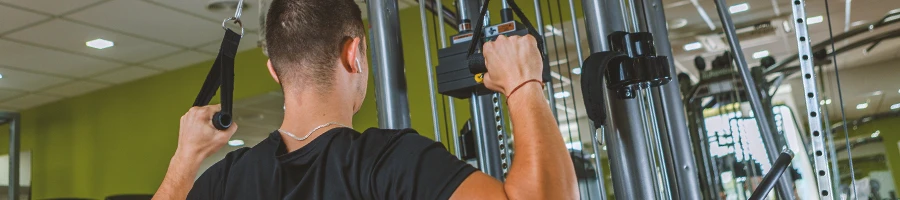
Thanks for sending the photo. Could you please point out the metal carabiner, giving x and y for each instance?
(236, 17)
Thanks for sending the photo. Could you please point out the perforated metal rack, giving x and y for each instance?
(812, 100)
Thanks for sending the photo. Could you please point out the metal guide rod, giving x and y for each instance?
(429, 73)
(665, 165)
(593, 130)
(539, 19)
(390, 78)
(765, 127)
(454, 126)
(576, 32)
(812, 101)
(485, 129)
(673, 120)
(598, 167)
(652, 150)
(829, 137)
(628, 159)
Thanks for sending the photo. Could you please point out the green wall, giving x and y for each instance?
(119, 140)
(890, 132)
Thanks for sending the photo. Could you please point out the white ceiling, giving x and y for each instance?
(43, 57)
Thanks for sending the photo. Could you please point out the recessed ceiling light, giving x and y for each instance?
(563, 94)
(862, 106)
(235, 143)
(693, 46)
(876, 93)
(895, 106)
(815, 20)
(1, 75)
(760, 54)
(99, 43)
(825, 102)
(576, 70)
(739, 8)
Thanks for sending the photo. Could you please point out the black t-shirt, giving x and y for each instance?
(339, 164)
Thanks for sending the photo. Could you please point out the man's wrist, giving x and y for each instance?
(526, 92)
(187, 157)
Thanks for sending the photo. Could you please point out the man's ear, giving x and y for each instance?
(272, 71)
(349, 55)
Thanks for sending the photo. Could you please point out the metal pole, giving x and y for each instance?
(656, 161)
(539, 19)
(670, 103)
(701, 146)
(629, 163)
(486, 141)
(765, 128)
(829, 135)
(14, 127)
(390, 78)
(443, 38)
(597, 165)
(429, 73)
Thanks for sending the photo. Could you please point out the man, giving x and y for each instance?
(317, 54)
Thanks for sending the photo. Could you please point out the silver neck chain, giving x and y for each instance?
(311, 131)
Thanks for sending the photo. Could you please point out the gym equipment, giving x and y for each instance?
(630, 64)
(766, 128)
(221, 74)
(768, 182)
(461, 65)
(626, 84)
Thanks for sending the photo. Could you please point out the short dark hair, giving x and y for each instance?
(305, 37)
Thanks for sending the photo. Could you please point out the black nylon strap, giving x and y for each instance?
(593, 74)
(221, 74)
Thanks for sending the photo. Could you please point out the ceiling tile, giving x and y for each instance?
(27, 81)
(29, 101)
(247, 42)
(180, 60)
(126, 74)
(75, 88)
(49, 61)
(12, 18)
(250, 15)
(7, 94)
(54, 7)
(127, 48)
(152, 21)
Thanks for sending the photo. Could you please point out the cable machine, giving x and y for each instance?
(655, 150)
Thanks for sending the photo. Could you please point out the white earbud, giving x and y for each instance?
(358, 66)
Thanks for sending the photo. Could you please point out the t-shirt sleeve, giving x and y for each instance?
(415, 167)
(211, 184)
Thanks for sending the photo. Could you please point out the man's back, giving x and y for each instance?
(339, 164)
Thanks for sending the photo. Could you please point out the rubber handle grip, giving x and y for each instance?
(221, 121)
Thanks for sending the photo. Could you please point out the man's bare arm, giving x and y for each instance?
(197, 139)
(542, 168)
(179, 178)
